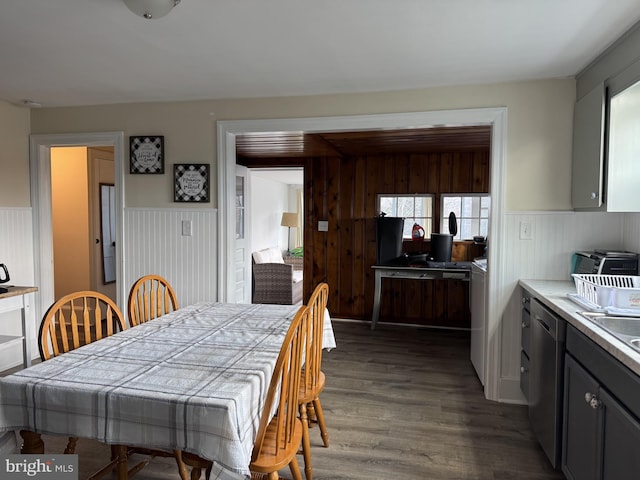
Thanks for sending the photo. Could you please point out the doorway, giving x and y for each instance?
(41, 199)
(82, 259)
(494, 117)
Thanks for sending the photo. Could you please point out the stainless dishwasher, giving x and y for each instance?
(546, 374)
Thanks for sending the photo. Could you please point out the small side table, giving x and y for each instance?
(297, 262)
(19, 298)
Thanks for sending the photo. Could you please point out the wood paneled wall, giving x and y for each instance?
(343, 191)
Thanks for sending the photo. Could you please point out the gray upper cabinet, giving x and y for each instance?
(607, 129)
(588, 150)
(624, 150)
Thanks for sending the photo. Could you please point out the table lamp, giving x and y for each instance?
(289, 220)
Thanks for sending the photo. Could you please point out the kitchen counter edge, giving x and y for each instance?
(553, 294)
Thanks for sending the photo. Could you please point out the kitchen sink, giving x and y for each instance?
(626, 329)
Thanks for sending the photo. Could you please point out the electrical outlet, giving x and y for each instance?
(186, 228)
(525, 231)
(323, 226)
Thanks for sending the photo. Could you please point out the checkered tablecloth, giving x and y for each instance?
(193, 380)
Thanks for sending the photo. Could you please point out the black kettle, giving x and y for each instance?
(4, 277)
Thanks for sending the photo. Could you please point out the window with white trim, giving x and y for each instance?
(472, 214)
(417, 208)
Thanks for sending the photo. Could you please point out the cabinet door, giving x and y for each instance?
(588, 150)
(580, 452)
(621, 441)
(622, 159)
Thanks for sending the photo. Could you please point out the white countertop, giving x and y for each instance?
(553, 294)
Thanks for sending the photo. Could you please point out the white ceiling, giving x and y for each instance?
(86, 52)
(290, 176)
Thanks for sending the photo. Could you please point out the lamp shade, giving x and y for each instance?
(289, 219)
(151, 8)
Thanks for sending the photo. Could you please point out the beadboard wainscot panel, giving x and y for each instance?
(547, 256)
(154, 244)
(16, 252)
(631, 240)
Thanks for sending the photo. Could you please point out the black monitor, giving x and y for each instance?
(388, 238)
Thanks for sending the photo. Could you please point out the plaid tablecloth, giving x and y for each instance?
(193, 380)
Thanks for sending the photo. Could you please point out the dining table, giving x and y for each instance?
(193, 380)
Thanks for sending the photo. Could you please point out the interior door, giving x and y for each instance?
(102, 208)
(242, 257)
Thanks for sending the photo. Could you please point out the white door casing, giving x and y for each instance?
(243, 235)
(40, 176)
(496, 117)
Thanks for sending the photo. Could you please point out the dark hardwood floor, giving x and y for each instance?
(400, 403)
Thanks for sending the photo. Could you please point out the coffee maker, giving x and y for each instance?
(388, 239)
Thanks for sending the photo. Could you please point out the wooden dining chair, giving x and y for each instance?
(76, 320)
(278, 439)
(150, 297)
(312, 379)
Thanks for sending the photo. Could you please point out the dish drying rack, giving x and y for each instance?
(613, 294)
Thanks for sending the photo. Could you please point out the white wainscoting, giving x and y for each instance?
(547, 256)
(154, 244)
(631, 240)
(16, 252)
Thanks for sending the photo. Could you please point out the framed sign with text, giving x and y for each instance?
(146, 154)
(191, 182)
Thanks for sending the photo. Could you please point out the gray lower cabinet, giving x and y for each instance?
(601, 436)
(525, 343)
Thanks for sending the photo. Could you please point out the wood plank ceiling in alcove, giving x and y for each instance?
(373, 142)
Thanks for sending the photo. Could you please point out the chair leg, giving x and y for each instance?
(311, 413)
(32, 442)
(71, 445)
(323, 427)
(295, 470)
(306, 443)
(182, 467)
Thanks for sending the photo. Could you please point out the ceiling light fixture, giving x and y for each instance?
(151, 9)
(30, 103)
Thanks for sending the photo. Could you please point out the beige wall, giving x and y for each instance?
(14, 155)
(69, 204)
(538, 143)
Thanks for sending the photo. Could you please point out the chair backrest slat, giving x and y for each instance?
(64, 328)
(151, 296)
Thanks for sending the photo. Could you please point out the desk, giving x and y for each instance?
(19, 298)
(460, 271)
(193, 380)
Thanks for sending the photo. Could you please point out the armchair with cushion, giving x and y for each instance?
(275, 281)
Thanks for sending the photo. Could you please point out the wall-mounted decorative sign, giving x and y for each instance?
(191, 182)
(146, 154)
